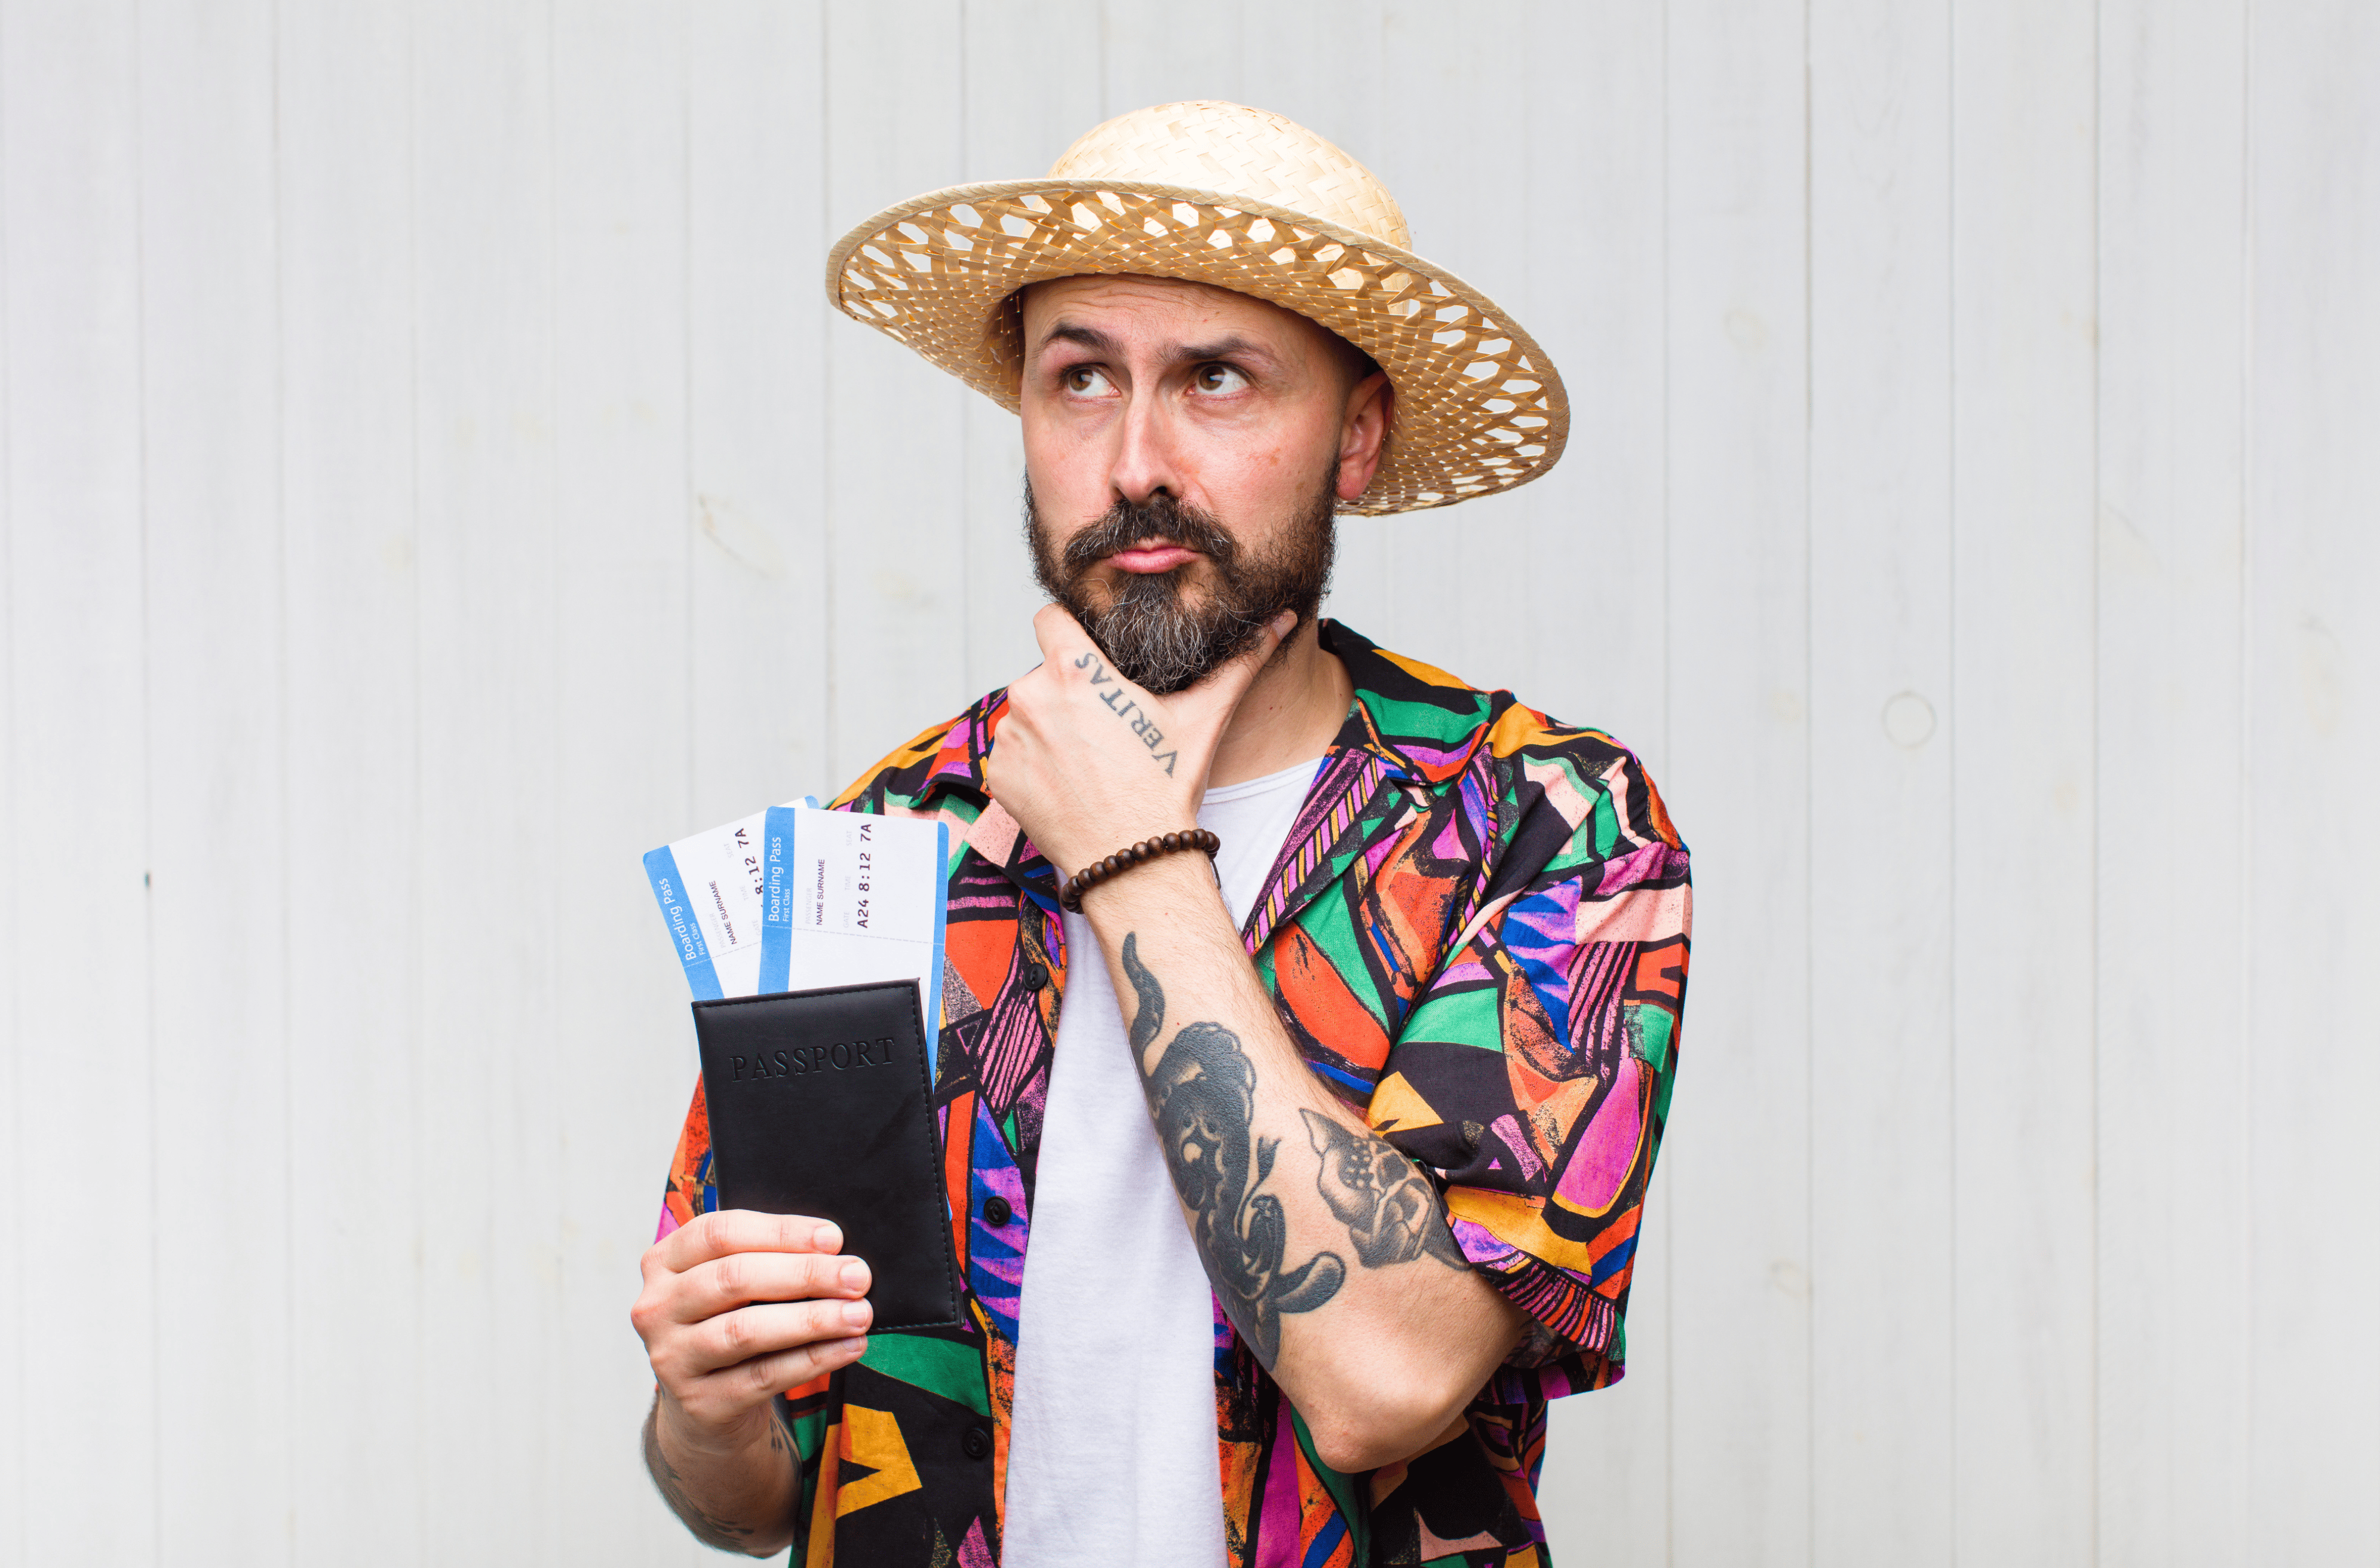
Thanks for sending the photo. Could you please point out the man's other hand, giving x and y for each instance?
(738, 1307)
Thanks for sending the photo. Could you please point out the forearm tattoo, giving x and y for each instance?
(1391, 1212)
(1202, 1097)
(1144, 729)
(711, 1530)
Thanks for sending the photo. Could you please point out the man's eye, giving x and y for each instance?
(1220, 378)
(1085, 380)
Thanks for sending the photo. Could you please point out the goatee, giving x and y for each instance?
(1146, 624)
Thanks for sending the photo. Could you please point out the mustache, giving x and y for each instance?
(1127, 523)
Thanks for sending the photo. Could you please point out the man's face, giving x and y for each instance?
(1183, 453)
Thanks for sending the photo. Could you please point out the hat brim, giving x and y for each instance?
(1479, 405)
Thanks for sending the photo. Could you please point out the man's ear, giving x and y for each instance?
(1363, 432)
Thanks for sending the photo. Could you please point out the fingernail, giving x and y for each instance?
(1284, 623)
(857, 1313)
(855, 1275)
(827, 1238)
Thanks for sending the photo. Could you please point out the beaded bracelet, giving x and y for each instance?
(1099, 872)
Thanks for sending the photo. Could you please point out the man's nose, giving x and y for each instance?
(1145, 460)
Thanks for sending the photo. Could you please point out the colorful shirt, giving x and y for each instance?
(1476, 932)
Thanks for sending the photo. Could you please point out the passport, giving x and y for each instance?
(821, 1103)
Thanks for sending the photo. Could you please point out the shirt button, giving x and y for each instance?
(996, 1211)
(978, 1442)
(1037, 974)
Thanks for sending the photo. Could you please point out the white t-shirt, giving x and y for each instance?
(1112, 1452)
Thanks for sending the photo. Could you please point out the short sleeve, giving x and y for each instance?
(1533, 1074)
(690, 1190)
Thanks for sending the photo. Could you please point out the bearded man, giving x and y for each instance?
(1310, 1016)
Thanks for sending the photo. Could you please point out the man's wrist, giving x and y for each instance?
(733, 1494)
(1086, 845)
(681, 1438)
(1181, 884)
(1194, 840)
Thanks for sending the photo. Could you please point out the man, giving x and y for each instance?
(1330, 1149)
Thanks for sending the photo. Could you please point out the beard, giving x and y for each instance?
(1149, 626)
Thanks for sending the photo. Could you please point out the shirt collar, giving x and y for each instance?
(1421, 723)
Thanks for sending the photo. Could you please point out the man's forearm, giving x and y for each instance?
(1326, 1246)
(742, 1499)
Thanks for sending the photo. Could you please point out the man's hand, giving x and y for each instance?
(737, 1308)
(1087, 762)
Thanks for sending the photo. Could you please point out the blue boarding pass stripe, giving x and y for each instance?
(941, 920)
(777, 835)
(669, 892)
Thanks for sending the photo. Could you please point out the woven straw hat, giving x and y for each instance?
(1246, 201)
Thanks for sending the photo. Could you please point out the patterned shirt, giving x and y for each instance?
(1475, 932)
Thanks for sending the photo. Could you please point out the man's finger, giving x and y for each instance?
(743, 1229)
(1061, 636)
(724, 1284)
(768, 1376)
(769, 1328)
(709, 1398)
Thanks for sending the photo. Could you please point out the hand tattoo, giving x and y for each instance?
(1122, 707)
(1390, 1210)
(1202, 1095)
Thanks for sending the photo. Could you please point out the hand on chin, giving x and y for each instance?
(1088, 762)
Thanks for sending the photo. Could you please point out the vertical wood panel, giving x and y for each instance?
(1029, 92)
(2313, 494)
(1165, 53)
(490, 552)
(1880, 1110)
(624, 678)
(896, 439)
(1739, 743)
(757, 233)
(1465, 197)
(357, 1091)
(85, 1151)
(2021, 723)
(1587, 641)
(2172, 1028)
(214, 646)
(1586, 272)
(18, 1179)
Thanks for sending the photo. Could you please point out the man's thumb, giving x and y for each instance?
(1276, 631)
(1216, 697)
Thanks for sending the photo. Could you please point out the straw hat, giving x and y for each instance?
(1245, 200)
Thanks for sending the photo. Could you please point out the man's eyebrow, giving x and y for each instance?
(1232, 348)
(1091, 338)
(1100, 343)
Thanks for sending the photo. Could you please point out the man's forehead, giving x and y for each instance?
(1122, 299)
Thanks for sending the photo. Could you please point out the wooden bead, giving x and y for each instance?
(1132, 854)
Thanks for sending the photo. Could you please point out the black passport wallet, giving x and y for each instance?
(821, 1103)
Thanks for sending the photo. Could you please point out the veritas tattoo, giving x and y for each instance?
(1124, 708)
(1390, 1210)
(1202, 1096)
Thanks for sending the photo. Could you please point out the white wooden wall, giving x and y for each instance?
(432, 477)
